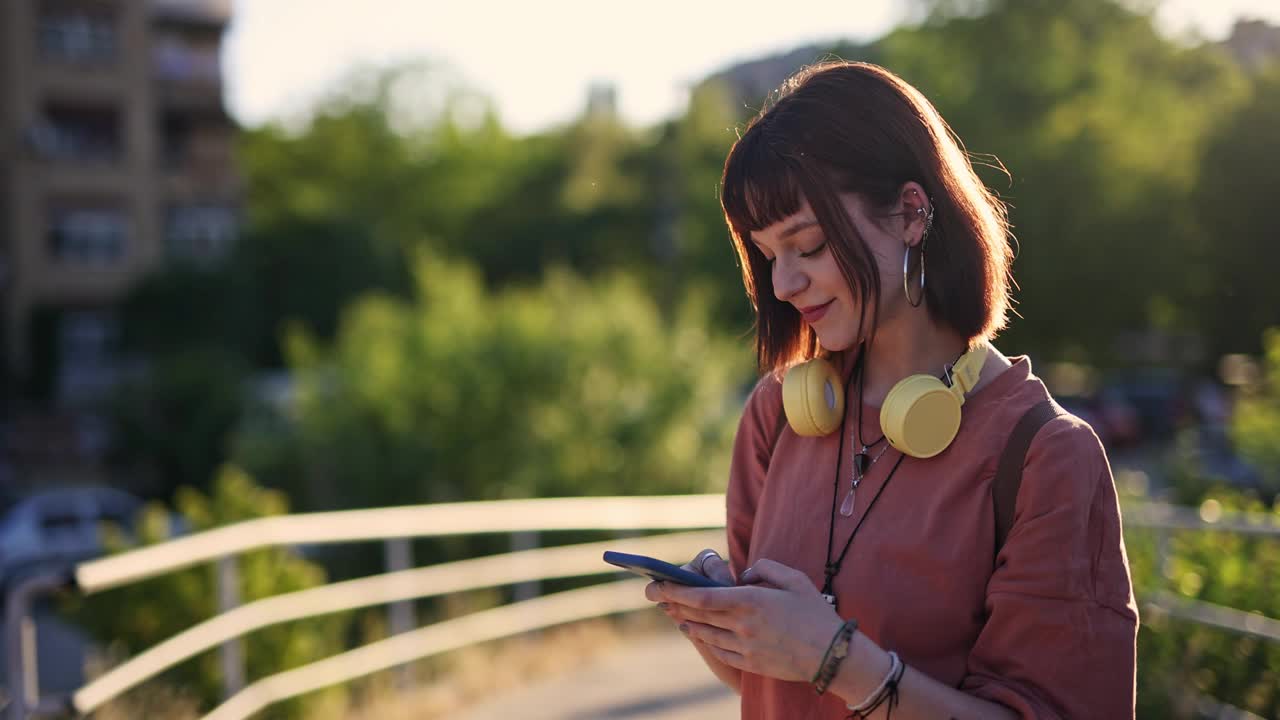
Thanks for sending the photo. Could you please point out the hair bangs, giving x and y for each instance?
(760, 186)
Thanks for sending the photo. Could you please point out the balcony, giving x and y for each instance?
(186, 59)
(79, 135)
(188, 70)
(198, 155)
(205, 13)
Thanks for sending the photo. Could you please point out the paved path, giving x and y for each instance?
(654, 677)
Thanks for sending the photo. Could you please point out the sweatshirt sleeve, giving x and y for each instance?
(752, 447)
(1061, 631)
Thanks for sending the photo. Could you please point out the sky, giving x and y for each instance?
(536, 60)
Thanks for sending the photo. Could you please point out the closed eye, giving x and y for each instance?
(814, 251)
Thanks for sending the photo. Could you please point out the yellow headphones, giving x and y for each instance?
(920, 416)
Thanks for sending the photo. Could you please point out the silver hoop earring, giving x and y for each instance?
(906, 276)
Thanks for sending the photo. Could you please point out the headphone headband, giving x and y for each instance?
(964, 374)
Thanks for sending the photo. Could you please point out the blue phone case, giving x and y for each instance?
(658, 570)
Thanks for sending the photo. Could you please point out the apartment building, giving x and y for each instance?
(116, 156)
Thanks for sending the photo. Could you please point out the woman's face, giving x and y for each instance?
(805, 273)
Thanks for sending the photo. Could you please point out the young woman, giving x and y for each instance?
(869, 576)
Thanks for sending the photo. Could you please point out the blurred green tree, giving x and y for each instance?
(1179, 660)
(1102, 121)
(171, 427)
(1236, 249)
(407, 155)
(568, 388)
(1255, 424)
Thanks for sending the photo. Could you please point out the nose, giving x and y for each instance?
(788, 280)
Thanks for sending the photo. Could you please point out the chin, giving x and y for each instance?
(836, 344)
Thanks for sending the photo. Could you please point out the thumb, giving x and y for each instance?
(776, 574)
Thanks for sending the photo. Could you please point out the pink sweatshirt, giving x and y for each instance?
(1051, 632)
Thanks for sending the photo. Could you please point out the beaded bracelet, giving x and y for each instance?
(836, 652)
(886, 690)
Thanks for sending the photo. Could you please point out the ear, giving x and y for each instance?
(914, 206)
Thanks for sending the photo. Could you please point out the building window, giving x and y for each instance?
(201, 234)
(78, 134)
(81, 35)
(96, 236)
(87, 337)
(87, 350)
(187, 57)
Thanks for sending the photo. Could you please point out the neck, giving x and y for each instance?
(904, 349)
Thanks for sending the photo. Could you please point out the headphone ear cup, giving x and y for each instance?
(920, 416)
(813, 398)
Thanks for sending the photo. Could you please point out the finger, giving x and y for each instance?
(728, 598)
(698, 565)
(778, 575)
(653, 592)
(717, 568)
(711, 635)
(728, 657)
(715, 618)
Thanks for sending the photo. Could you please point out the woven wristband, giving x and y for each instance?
(836, 652)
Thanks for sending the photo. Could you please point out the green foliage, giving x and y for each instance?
(171, 427)
(1256, 421)
(136, 617)
(691, 158)
(406, 154)
(1234, 195)
(1130, 155)
(1102, 122)
(569, 388)
(1176, 658)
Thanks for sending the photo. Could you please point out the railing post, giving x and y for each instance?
(1162, 552)
(398, 553)
(526, 540)
(232, 651)
(20, 642)
(30, 659)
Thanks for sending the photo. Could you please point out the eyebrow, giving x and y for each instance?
(791, 230)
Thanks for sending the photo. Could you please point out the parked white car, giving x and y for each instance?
(61, 525)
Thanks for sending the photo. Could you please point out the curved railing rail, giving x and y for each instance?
(396, 525)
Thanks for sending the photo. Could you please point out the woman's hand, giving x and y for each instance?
(776, 624)
(707, 563)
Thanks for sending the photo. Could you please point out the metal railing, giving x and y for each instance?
(391, 525)
(404, 584)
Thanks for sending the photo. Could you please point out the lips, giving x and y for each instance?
(814, 313)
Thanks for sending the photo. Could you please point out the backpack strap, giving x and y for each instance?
(1008, 480)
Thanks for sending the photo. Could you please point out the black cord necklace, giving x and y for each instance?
(831, 568)
(862, 460)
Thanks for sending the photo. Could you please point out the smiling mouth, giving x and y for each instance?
(815, 313)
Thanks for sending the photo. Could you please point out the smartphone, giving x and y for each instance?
(658, 570)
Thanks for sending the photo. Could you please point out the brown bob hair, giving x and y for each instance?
(850, 127)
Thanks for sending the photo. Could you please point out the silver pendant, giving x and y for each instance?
(831, 599)
(846, 507)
